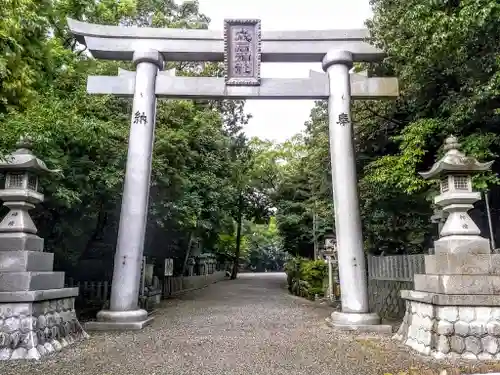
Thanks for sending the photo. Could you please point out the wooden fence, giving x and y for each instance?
(395, 267)
(95, 294)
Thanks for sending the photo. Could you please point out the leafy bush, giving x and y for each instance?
(292, 269)
(306, 277)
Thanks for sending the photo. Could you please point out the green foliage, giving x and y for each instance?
(197, 173)
(448, 71)
(264, 247)
(306, 277)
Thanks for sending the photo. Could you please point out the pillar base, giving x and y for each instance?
(108, 320)
(358, 322)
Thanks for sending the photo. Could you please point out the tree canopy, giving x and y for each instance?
(448, 70)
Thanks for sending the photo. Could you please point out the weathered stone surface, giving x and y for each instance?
(469, 332)
(450, 264)
(63, 342)
(473, 345)
(483, 314)
(11, 324)
(462, 328)
(5, 354)
(41, 349)
(426, 310)
(457, 344)
(48, 347)
(490, 344)
(493, 328)
(469, 356)
(57, 346)
(427, 323)
(19, 353)
(32, 336)
(478, 328)
(449, 313)
(445, 328)
(443, 344)
(485, 356)
(33, 354)
(466, 314)
(454, 245)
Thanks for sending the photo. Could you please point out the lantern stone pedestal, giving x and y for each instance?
(454, 311)
(37, 314)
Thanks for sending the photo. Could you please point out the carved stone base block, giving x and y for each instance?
(466, 332)
(32, 330)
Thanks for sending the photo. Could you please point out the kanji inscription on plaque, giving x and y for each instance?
(242, 44)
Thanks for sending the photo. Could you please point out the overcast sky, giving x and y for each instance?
(280, 119)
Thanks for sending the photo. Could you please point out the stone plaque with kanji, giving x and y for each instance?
(242, 51)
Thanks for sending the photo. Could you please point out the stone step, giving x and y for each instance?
(19, 261)
(462, 244)
(20, 241)
(24, 281)
(449, 299)
(463, 264)
(458, 284)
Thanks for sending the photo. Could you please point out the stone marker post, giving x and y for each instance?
(37, 314)
(351, 258)
(124, 312)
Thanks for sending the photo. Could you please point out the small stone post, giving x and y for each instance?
(454, 310)
(37, 314)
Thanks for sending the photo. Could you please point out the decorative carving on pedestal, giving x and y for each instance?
(454, 310)
(37, 314)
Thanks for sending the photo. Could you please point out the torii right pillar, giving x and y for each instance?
(355, 313)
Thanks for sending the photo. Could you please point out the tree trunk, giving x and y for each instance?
(98, 233)
(188, 252)
(239, 221)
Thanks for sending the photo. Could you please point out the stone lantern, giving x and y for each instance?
(454, 171)
(329, 242)
(454, 309)
(330, 253)
(37, 313)
(20, 194)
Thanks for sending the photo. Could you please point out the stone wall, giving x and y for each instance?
(385, 298)
(467, 332)
(387, 276)
(31, 330)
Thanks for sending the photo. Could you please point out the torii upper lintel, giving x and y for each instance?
(120, 42)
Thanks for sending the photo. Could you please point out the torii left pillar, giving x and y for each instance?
(124, 312)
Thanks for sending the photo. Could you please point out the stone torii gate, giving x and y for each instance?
(242, 47)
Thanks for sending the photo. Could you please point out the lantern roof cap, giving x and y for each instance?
(454, 161)
(23, 159)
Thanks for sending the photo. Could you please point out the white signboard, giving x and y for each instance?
(169, 267)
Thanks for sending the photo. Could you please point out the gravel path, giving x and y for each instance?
(248, 326)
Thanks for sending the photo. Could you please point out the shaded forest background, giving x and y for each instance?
(213, 188)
